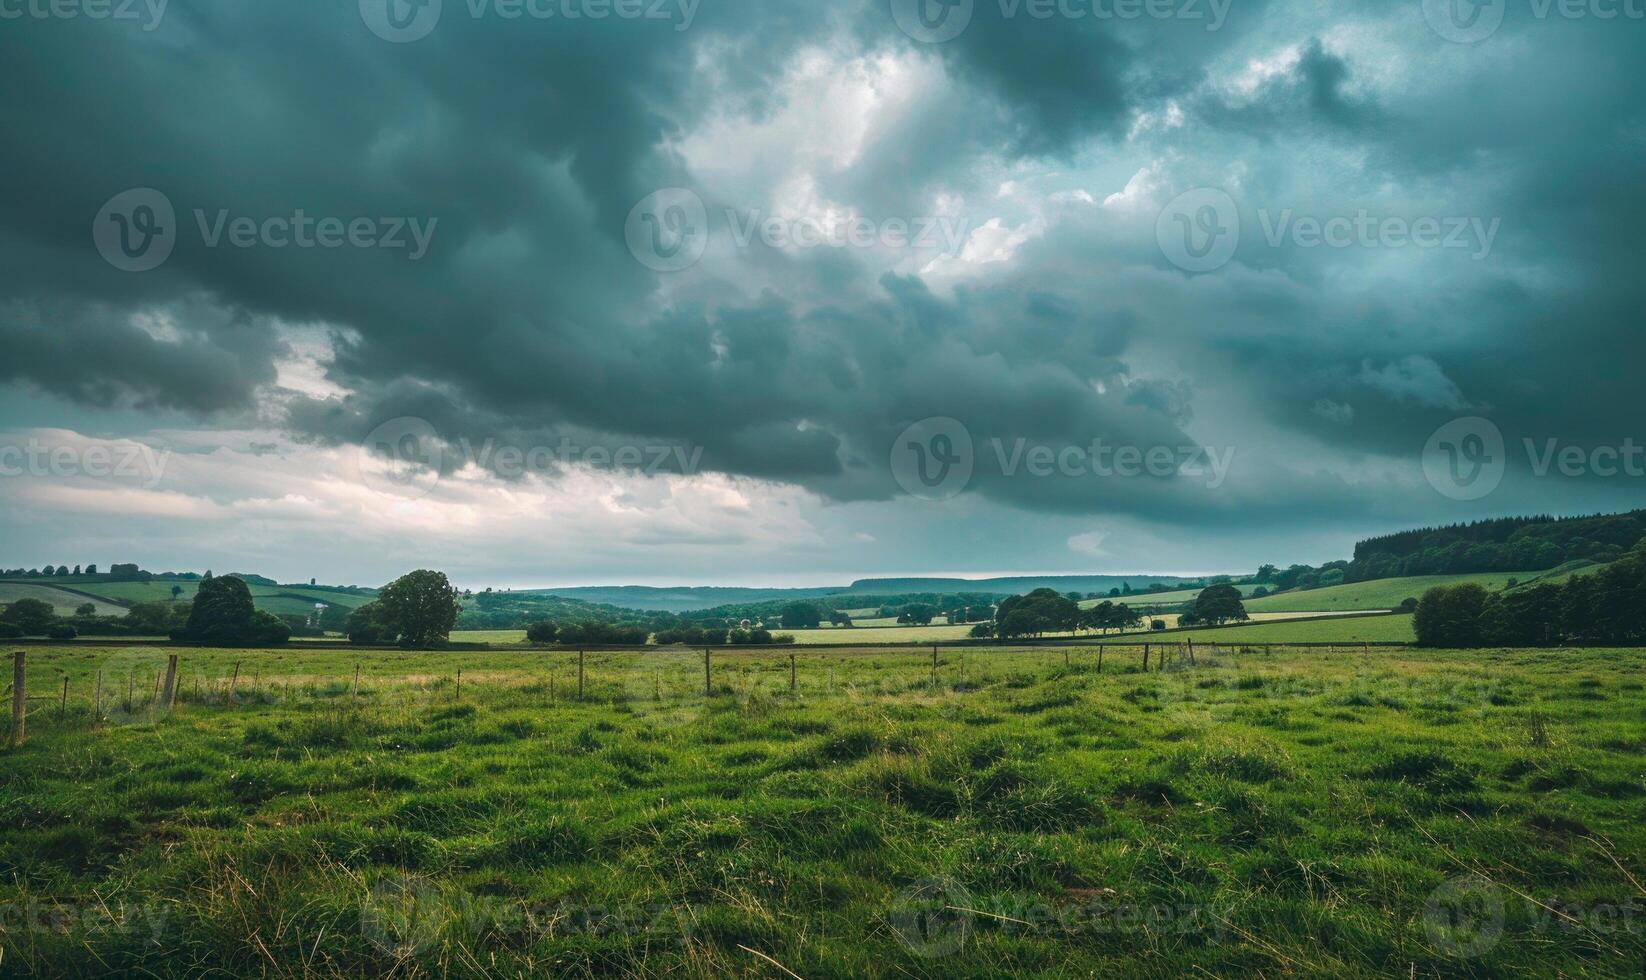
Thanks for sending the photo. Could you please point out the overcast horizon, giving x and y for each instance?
(770, 294)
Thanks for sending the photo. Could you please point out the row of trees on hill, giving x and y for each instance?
(1606, 607)
(47, 572)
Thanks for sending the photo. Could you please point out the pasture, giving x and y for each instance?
(1378, 594)
(63, 601)
(112, 597)
(1010, 812)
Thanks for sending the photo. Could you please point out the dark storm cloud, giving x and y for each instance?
(528, 319)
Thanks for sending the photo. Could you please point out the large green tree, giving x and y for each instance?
(418, 608)
(1219, 604)
(223, 615)
(32, 616)
(801, 616)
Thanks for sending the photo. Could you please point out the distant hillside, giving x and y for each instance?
(681, 599)
(1014, 585)
(1501, 544)
(695, 598)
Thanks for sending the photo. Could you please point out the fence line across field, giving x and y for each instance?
(166, 689)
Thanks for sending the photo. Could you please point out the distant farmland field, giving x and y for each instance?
(62, 600)
(116, 595)
(922, 634)
(1347, 629)
(1378, 594)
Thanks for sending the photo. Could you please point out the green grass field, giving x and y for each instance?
(1378, 594)
(1403, 812)
(62, 600)
(117, 595)
(932, 634)
(1140, 600)
(1347, 629)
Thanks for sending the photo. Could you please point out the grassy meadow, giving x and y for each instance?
(1401, 812)
(1378, 594)
(68, 591)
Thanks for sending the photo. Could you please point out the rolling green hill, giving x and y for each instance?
(1387, 593)
(112, 596)
(64, 601)
(1139, 600)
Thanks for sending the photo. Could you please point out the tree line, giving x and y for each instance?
(1604, 608)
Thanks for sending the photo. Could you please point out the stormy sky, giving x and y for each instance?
(546, 292)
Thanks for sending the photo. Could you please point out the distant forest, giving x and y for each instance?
(1508, 544)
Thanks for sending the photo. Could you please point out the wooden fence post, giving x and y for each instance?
(63, 702)
(354, 695)
(1191, 650)
(19, 697)
(793, 678)
(1145, 658)
(97, 699)
(934, 665)
(234, 685)
(706, 688)
(168, 694)
(1100, 658)
(579, 675)
(457, 692)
